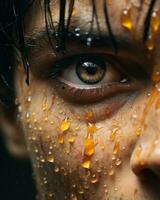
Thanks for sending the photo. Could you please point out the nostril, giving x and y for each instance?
(147, 174)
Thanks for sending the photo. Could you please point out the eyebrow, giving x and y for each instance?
(40, 38)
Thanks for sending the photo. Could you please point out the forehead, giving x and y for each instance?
(83, 11)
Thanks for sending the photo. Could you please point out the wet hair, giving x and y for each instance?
(12, 14)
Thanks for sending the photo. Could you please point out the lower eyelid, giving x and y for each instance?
(85, 95)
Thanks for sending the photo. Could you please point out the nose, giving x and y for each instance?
(146, 154)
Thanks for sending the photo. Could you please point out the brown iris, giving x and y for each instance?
(91, 71)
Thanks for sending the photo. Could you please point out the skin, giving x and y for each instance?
(124, 159)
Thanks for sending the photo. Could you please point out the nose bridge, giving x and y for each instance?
(146, 154)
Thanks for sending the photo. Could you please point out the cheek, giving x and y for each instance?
(72, 150)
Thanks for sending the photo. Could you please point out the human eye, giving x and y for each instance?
(97, 83)
(91, 78)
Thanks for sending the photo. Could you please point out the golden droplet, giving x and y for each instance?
(156, 77)
(126, 21)
(137, 154)
(118, 162)
(111, 172)
(116, 148)
(42, 159)
(61, 139)
(50, 194)
(150, 43)
(81, 191)
(155, 21)
(88, 147)
(138, 131)
(91, 128)
(65, 125)
(113, 133)
(86, 164)
(77, 128)
(50, 158)
(71, 139)
(94, 179)
(89, 115)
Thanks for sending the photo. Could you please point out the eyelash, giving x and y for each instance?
(61, 65)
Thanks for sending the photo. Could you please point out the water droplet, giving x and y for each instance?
(77, 31)
(71, 139)
(89, 41)
(111, 172)
(91, 128)
(50, 194)
(65, 125)
(113, 133)
(61, 139)
(56, 169)
(157, 86)
(126, 21)
(88, 147)
(89, 115)
(81, 191)
(138, 131)
(86, 163)
(50, 158)
(118, 162)
(156, 76)
(42, 159)
(116, 148)
(45, 119)
(150, 43)
(155, 21)
(94, 179)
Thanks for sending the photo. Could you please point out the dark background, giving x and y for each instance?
(16, 181)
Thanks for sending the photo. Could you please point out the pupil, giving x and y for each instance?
(90, 68)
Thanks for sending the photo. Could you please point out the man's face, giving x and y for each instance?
(93, 130)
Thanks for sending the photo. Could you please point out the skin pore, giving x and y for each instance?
(93, 140)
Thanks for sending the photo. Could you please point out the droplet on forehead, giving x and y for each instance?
(65, 125)
(86, 163)
(155, 21)
(150, 43)
(126, 20)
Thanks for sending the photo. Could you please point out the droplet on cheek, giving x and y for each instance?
(94, 179)
(116, 148)
(71, 140)
(91, 128)
(61, 139)
(113, 133)
(50, 158)
(88, 147)
(86, 163)
(65, 125)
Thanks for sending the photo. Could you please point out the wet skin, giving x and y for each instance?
(93, 141)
